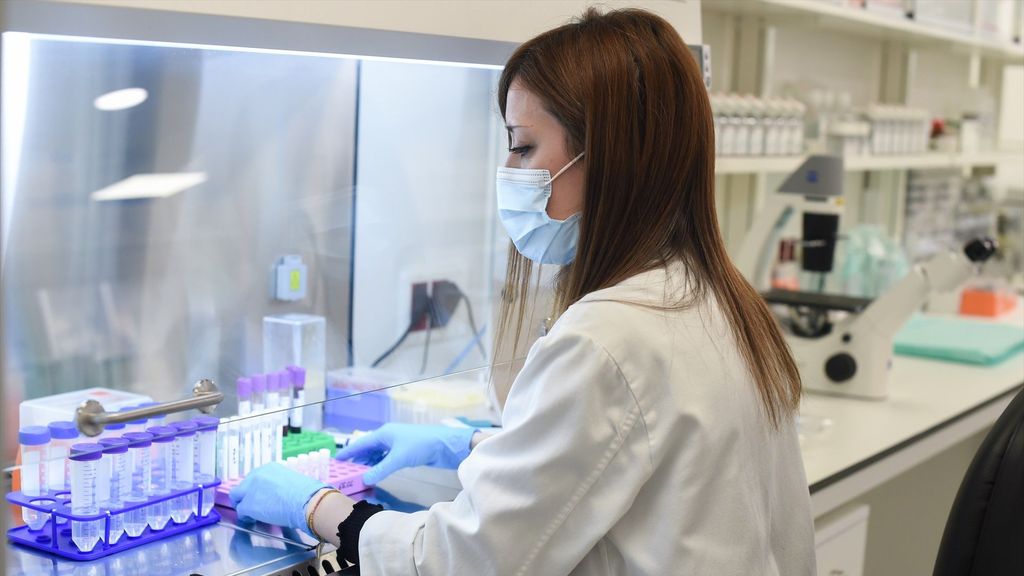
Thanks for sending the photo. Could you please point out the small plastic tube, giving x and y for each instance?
(259, 392)
(287, 389)
(85, 464)
(273, 418)
(58, 472)
(34, 441)
(116, 451)
(183, 466)
(304, 465)
(314, 465)
(206, 458)
(292, 463)
(160, 485)
(299, 399)
(244, 426)
(227, 446)
(102, 484)
(141, 467)
(261, 439)
(325, 464)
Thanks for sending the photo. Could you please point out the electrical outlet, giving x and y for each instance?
(445, 296)
(431, 275)
(419, 304)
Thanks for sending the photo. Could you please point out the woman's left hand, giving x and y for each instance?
(276, 495)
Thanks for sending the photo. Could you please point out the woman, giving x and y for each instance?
(651, 431)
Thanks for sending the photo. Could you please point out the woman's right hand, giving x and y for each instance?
(394, 446)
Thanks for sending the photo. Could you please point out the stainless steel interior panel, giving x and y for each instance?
(151, 294)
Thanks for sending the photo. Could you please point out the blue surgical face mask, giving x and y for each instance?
(522, 206)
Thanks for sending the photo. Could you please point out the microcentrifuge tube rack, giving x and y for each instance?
(345, 476)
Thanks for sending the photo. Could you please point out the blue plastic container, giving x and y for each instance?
(349, 410)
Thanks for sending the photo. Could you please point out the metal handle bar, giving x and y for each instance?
(92, 419)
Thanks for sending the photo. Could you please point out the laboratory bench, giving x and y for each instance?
(231, 548)
(932, 406)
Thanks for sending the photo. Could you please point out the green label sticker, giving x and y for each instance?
(294, 280)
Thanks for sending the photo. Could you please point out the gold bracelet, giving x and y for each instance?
(309, 515)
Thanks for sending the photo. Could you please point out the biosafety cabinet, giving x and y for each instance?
(189, 197)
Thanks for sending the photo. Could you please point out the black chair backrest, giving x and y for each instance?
(984, 534)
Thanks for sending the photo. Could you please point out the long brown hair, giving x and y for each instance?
(628, 93)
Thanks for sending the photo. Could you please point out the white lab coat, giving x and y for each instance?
(633, 444)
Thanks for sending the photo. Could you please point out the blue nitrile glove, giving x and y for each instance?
(394, 446)
(275, 495)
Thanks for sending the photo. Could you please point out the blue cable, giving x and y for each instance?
(465, 351)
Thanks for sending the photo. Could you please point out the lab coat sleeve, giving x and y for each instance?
(539, 495)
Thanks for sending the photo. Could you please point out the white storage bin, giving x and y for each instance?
(1018, 18)
(895, 8)
(952, 14)
(840, 539)
(996, 19)
(42, 411)
(848, 138)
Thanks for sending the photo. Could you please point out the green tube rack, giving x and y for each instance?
(296, 443)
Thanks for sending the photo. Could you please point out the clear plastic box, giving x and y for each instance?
(358, 399)
(299, 340)
(432, 401)
(42, 411)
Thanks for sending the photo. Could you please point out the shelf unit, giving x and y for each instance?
(751, 37)
(869, 23)
(730, 165)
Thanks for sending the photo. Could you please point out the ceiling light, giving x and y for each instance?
(149, 186)
(120, 99)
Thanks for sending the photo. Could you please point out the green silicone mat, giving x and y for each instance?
(959, 340)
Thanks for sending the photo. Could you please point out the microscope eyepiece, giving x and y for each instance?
(980, 249)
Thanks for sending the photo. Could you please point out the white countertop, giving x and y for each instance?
(931, 406)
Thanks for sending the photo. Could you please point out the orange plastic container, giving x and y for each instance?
(974, 302)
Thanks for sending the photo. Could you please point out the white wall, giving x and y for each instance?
(512, 21)
(427, 148)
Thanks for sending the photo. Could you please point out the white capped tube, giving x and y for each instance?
(325, 464)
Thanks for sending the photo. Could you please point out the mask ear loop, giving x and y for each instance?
(566, 167)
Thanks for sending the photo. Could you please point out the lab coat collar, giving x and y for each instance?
(661, 286)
